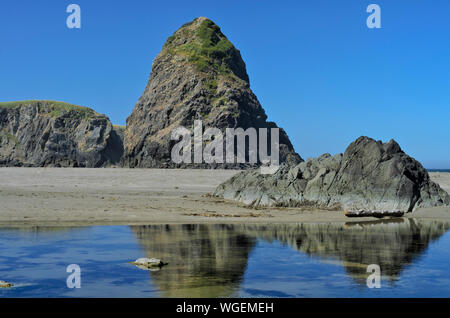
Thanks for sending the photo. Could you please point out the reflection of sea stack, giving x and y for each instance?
(47, 133)
(198, 75)
(370, 175)
(204, 260)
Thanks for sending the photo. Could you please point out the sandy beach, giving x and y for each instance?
(71, 196)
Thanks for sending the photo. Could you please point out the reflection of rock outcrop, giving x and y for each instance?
(204, 260)
(38, 231)
(392, 244)
(210, 260)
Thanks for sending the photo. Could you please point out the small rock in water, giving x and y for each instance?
(149, 263)
(4, 284)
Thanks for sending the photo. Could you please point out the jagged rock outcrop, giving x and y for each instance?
(369, 175)
(47, 133)
(198, 75)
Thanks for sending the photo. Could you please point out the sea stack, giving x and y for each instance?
(56, 134)
(198, 75)
(370, 175)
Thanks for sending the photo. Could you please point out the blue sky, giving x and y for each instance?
(316, 68)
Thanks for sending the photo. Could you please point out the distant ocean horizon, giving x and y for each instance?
(438, 170)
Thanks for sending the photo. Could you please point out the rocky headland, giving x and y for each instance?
(56, 134)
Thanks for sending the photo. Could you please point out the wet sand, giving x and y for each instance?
(71, 196)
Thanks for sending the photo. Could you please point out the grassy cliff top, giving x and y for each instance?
(53, 108)
(119, 127)
(205, 46)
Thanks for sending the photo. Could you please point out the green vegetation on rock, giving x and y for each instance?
(212, 84)
(10, 105)
(119, 128)
(54, 108)
(207, 48)
(8, 136)
(219, 101)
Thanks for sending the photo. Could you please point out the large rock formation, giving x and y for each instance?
(198, 75)
(369, 175)
(46, 133)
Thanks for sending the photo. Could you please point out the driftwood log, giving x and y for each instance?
(373, 213)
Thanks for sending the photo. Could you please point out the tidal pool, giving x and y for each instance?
(276, 260)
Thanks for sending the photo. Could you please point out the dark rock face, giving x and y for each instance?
(46, 133)
(198, 75)
(369, 175)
